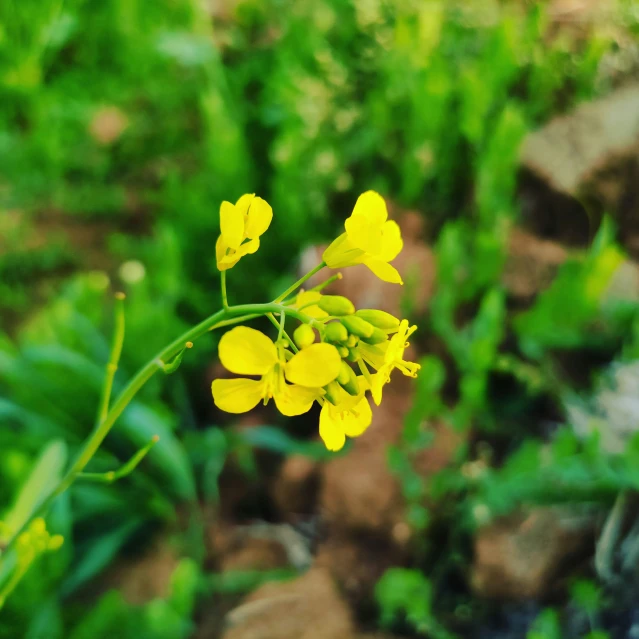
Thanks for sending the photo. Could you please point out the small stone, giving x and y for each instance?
(521, 556)
(308, 607)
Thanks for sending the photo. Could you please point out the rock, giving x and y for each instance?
(358, 490)
(571, 148)
(357, 563)
(143, 578)
(532, 264)
(359, 493)
(521, 556)
(590, 158)
(255, 554)
(612, 410)
(624, 284)
(294, 489)
(258, 546)
(308, 607)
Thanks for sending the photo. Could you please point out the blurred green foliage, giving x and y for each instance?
(124, 123)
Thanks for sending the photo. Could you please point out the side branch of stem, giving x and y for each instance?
(223, 317)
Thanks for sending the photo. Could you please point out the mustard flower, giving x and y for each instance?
(245, 351)
(349, 416)
(386, 357)
(241, 225)
(370, 239)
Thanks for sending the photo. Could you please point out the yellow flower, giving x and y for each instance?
(351, 416)
(241, 225)
(307, 302)
(245, 351)
(386, 357)
(370, 239)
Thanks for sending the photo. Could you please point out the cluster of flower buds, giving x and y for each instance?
(35, 541)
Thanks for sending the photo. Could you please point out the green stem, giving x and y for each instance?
(124, 470)
(99, 433)
(280, 327)
(299, 282)
(114, 358)
(225, 302)
(330, 280)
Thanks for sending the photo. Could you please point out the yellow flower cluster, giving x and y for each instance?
(296, 372)
(33, 542)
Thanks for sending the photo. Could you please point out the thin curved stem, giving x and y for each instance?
(114, 358)
(156, 364)
(287, 337)
(299, 282)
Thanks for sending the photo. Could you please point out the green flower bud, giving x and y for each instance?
(304, 335)
(335, 332)
(332, 393)
(347, 379)
(342, 350)
(336, 305)
(377, 337)
(379, 319)
(353, 355)
(358, 326)
(55, 542)
(352, 341)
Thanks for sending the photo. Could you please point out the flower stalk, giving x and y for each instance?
(295, 373)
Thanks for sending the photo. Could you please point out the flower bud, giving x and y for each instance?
(335, 332)
(352, 341)
(342, 350)
(379, 319)
(332, 393)
(336, 305)
(347, 379)
(353, 355)
(304, 335)
(358, 326)
(377, 337)
(55, 542)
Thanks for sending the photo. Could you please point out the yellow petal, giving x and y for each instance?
(247, 248)
(341, 253)
(237, 395)
(392, 242)
(379, 380)
(316, 366)
(243, 204)
(231, 225)
(246, 351)
(306, 297)
(295, 400)
(358, 419)
(384, 271)
(224, 261)
(364, 234)
(374, 355)
(371, 206)
(330, 430)
(260, 215)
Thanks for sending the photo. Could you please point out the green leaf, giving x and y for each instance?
(44, 476)
(546, 626)
(100, 554)
(184, 583)
(587, 595)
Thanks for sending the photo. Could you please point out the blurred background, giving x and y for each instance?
(496, 496)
